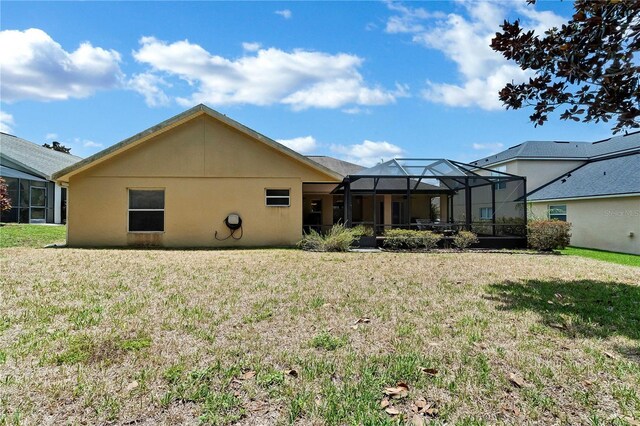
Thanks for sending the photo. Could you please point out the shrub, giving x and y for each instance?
(429, 239)
(362, 231)
(547, 235)
(338, 238)
(396, 239)
(464, 239)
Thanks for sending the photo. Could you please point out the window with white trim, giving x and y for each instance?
(558, 212)
(146, 210)
(499, 185)
(277, 197)
(486, 213)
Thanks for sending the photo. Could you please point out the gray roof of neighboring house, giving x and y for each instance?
(564, 150)
(33, 157)
(341, 167)
(613, 176)
(8, 172)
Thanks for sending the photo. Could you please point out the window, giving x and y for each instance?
(146, 210)
(486, 213)
(277, 197)
(558, 212)
(503, 169)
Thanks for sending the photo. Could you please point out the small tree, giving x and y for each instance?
(57, 146)
(5, 201)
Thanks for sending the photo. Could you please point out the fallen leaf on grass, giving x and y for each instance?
(418, 420)
(632, 422)
(392, 411)
(429, 371)
(516, 380)
(248, 375)
(400, 391)
(384, 403)
(131, 386)
(421, 403)
(292, 373)
(558, 326)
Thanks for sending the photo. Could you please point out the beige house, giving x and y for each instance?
(175, 185)
(594, 186)
(201, 179)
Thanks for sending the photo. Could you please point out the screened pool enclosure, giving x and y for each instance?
(440, 195)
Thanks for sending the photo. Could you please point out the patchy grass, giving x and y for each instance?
(21, 235)
(280, 336)
(607, 256)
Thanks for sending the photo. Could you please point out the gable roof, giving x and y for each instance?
(198, 110)
(344, 168)
(561, 150)
(36, 159)
(612, 176)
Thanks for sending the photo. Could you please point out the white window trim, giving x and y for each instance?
(496, 171)
(549, 206)
(288, 197)
(145, 210)
(490, 213)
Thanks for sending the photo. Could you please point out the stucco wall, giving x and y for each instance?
(540, 172)
(207, 170)
(604, 223)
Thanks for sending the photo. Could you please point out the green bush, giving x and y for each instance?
(547, 235)
(362, 231)
(397, 239)
(429, 239)
(338, 238)
(464, 239)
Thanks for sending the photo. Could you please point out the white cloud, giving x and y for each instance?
(303, 144)
(285, 13)
(368, 153)
(36, 67)
(91, 144)
(465, 40)
(6, 121)
(300, 78)
(408, 20)
(148, 85)
(493, 147)
(51, 136)
(251, 47)
(356, 110)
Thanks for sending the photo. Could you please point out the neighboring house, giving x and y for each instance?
(201, 179)
(595, 186)
(27, 168)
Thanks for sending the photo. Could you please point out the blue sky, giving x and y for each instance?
(357, 80)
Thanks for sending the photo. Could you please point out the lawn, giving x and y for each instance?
(284, 336)
(20, 235)
(607, 256)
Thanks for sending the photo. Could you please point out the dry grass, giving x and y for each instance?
(166, 337)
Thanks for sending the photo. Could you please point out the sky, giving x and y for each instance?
(361, 81)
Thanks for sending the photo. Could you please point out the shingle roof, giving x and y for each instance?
(613, 176)
(39, 160)
(564, 150)
(341, 167)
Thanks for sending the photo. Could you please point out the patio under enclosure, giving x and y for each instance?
(439, 195)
